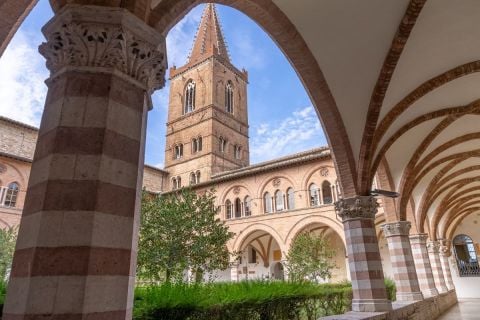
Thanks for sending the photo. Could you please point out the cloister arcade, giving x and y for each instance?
(394, 83)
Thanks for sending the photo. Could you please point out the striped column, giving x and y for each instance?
(433, 248)
(358, 215)
(76, 252)
(422, 265)
(403, 264)
(445, 253)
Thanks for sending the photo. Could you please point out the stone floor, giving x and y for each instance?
(466, 309)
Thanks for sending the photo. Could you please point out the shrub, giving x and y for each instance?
(391, 289)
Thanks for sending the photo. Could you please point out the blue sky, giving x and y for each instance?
(282, 120)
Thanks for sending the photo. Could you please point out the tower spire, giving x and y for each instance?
(209, 40)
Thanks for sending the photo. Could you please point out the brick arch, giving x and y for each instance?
(285, 35)
(300, 225)
(449, 234)
(457, 212)
(225, 192)
(267, 180)
(239, 241)
(308, 176)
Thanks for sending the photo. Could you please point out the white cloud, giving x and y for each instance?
(301, 131)
(22, 76)
(244, 49)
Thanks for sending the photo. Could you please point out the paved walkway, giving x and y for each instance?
(466, 309)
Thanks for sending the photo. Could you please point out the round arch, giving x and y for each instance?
(306, 178)
(242, 236)
(264, 183)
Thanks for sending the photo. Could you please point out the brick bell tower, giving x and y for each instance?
(207, 128)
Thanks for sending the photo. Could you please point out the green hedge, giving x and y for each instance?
(242, 300)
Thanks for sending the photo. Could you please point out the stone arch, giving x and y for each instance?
(275, 23)
(267, 180)
(308, 176)
(302, 224)
(239, 241)
(225, 192)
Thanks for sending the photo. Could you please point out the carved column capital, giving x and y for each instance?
(107, 40)
(359, 207)
(433, 246)
(445, 247)
(420, 238)
(399, 228)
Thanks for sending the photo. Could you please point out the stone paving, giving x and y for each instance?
(466, 309)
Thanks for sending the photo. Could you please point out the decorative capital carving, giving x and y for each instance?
(445, 247)
(105, 39)
(276, 182)
(433, 246)
(420, 238)
(399, 228)
(359, 207)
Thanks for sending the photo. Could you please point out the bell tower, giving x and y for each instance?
(207, 128)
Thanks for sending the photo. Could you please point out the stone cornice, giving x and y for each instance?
(398, 228)
(105, 40)
(359, 207)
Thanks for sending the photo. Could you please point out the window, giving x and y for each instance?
(228, 209)
(238, 208)
(247, 204)
(179, 182)
(193, 178)
(11, 195)
(290, 199)
(279, 203)
(189, 105)
(178, 151)
(197, 175)
(222, 145)
(174, 183)
(327, 192)
(314, 196)
(197, 145)
(252, 255)
(238, 152)
(229, 97)
(466, 256)
(267, 202)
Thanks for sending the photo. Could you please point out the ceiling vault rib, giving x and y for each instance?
(378, 95)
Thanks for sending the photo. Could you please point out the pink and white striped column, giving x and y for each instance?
(358, 216)
(445, 253)
(403, 264)
(433, 248)
(422, 265)
(76, 252)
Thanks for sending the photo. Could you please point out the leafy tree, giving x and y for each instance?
(181, 231)
(310, 258)
(8, 238)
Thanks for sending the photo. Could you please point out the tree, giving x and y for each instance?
(8, 238)
(310, 258)
(181, 231)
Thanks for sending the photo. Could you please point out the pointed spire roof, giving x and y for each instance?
(209, 40)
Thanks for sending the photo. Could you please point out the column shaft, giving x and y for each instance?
(422, 265)
(433, 248)
(76, 252)
(445, 253)
(403, 264)
(358, 214)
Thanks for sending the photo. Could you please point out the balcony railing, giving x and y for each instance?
(468, 269)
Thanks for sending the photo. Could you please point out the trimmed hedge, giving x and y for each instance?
(242, 300)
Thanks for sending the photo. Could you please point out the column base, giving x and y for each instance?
(409, 296)
(430, 293)
(371, 305)
(442, 290)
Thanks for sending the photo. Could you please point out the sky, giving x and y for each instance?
(281, 117)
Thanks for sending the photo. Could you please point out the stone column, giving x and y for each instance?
(358, 217)
(422, 265)
(403, 265)
(76, 252)
(445, 253)
(433, 248)
(234, 271)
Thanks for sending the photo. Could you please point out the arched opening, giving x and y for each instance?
(314, 195)
(267, 203)
(327, 192)
(278, 271)
(228, 210)
(290, 199)
(11, 195)
(238, 208)
(189, 98)
(229, 99)
(279, 201)
(247, 204)
(466, 256)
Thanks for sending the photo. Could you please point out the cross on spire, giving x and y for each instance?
(209, 40)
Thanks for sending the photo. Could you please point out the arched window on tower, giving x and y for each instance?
(290, 199)
(466, 255)
(229, 97)
(11, 195)
(189, 105)
(178, 151)
(327, 192)
(279, 201)
(238, 152)
(197, 144)
(228, 209)
(222, 144)
(314, 195)
(267, 203)
(238, 208)
(193, 178)
(197, 177)
(174, 183)
(179, 182)
(247, 204)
